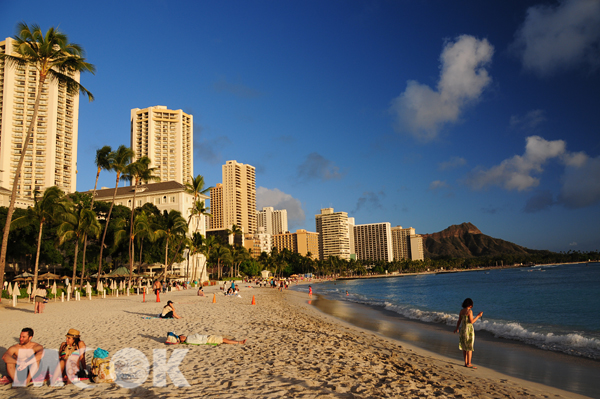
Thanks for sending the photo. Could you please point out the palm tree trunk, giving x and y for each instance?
(112, 204)
(141, 247)
(83, 260)
(37, 259)
(131, 233)
(84, 234)
(75, 263)
(166, 254)
(13, 197)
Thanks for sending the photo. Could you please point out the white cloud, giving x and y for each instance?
(280, 200)
(437, 184)
(529, 121)
(454, 162)
(422, 111)
(581, 183)
(554, 38)
(517, 173)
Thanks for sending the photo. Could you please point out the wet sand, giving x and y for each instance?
(516, 359)
(293, 350)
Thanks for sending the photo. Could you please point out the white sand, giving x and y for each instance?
(293, 350)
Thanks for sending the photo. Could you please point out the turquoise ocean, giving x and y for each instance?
(551, 309)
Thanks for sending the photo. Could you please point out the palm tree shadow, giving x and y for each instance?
(20, 309)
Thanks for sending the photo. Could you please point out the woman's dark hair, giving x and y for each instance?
(467, 302)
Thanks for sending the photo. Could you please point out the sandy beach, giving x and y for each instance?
(293, 350)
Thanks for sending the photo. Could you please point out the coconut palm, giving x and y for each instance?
(119, 161)
(239, 255)
(209, 243)
(222, 254)
(43, 211)
(136, 172)
(144, 229)
(196, 187)
(55, 60)
(235, 230)
(174, 226)
(103, 162)
(77, 223)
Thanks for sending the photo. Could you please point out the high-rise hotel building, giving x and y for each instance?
(407, 244)
(334, 234)
(234, 201)
(274, 221)
(51, 157)
(373, 242)
(167, 138)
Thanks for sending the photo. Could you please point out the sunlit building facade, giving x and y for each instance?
(51, 157)
(167, 138)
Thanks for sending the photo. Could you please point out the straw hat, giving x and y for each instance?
(73, 333)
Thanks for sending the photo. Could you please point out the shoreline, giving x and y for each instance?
(504, 356)
(293, 350)
(478, 269)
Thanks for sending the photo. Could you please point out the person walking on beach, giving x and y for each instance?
(467, 333)
(309, 291)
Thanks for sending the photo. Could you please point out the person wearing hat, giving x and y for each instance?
(72, 356)
(168, 312)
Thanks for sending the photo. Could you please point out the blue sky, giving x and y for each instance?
(417, 113)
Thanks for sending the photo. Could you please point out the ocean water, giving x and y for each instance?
(555, 307)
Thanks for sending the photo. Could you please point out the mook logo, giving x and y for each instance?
(128, 368)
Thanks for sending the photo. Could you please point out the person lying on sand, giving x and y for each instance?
(199, 339)
(168, 312)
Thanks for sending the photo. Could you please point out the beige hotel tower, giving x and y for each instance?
(234, 201)
(167, 138)
(51, 158)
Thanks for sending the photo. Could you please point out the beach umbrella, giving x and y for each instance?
(54, 290)
(25, 275)
(28, 291)
(10, 289)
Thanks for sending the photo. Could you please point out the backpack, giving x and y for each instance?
(172, 339)
(103, 370)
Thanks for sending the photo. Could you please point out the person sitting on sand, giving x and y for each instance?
(168, 312)
(72, 356)
(199, 339)
(200, 291)
(467, 333)
(22, 360)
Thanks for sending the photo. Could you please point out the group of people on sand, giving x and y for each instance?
(28, 361)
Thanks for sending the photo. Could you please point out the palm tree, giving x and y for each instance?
(119, 161)
(196, 187)
(43, 211)
(220, 253)
(137, 172)
(55, 60)
(143, 229)
(174, 226)
(239, 255)
(206, 249)
(77, 223)
(235, 230)
(103, 163)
